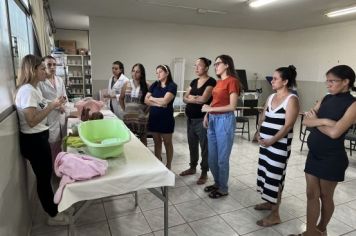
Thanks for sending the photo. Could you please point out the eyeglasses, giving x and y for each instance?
(216, 64)
(51, 64)
(332, 81)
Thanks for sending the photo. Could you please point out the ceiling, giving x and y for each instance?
(283, 15)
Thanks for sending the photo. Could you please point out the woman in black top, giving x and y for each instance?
(327, 160)
(198, 94)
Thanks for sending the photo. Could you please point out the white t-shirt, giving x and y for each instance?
(28, 96)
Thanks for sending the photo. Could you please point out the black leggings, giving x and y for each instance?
(36, 149)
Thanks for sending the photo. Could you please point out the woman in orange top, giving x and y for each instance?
(220, 121)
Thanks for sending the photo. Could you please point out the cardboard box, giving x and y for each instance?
(69, 46)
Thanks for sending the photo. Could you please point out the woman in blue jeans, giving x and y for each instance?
(220, 121)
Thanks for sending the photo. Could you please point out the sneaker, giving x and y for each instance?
(60, 219)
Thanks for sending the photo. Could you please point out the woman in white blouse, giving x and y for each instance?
(52, 88)
(116, 82)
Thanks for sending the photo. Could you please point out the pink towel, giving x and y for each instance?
(72, 167)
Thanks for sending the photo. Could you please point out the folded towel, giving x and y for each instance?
(75, 142)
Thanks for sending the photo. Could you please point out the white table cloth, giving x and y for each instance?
(136, 168)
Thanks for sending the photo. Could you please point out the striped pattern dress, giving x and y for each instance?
(273, 160)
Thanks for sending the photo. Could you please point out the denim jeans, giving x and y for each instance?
(197, 135)
(220, 139)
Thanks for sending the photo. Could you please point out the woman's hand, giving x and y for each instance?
(311, 114)
(58, 102)
(265, 142)
(206, 108)
(62, 109)
(206, 121)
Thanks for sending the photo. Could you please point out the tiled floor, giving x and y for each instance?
(191, 212)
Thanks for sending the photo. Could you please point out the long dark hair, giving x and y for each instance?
(205, 60)
(143, 83)
(226, 59)
(344, 72)
(288, 73)
(166, 69)
(121, 66)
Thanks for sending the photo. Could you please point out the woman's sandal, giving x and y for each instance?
(265, 223)
(210, 188)
(263, 207)
(324, 233)
(217, 194)
(189, 171)
(301, 234)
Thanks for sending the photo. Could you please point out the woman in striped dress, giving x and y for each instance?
(275, 138)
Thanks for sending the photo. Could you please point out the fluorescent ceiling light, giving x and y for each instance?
(259, 3)
(341, 12)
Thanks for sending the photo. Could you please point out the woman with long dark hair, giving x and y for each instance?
(327, 160)
(132, 98)
(116, 82)
(160, 98)
(220, 121)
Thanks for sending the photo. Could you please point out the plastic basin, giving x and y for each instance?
(104, 138)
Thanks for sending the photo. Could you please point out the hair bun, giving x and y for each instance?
(208, 61)
(292, 67)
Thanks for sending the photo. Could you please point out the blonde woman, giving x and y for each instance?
(32, 111)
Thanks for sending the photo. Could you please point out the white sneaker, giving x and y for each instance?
(60, 219)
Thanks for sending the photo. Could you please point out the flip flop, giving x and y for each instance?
(323, 233)
(264, 223)
(216, 194)
(202, 180)
(262, 207)
(210, 188)
(188, 172)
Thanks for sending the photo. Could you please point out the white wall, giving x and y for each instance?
(81, 36)
(156, 43)
(313, 51)
(15, 184)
